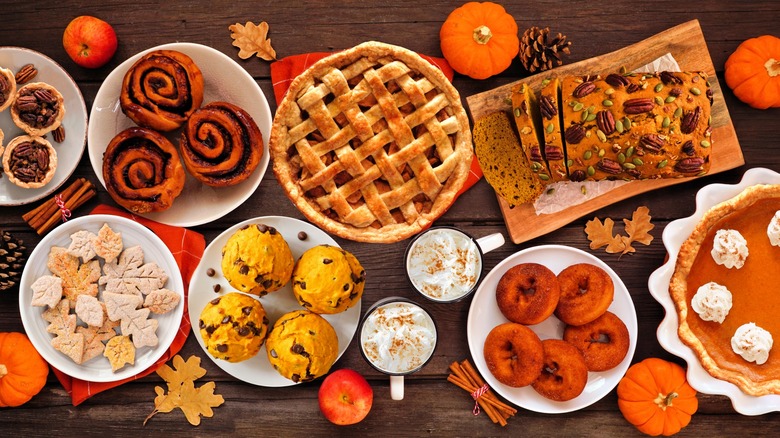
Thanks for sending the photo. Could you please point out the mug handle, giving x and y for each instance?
(397, 387)
(490, 242)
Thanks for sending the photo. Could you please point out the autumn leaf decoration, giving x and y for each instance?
(182, 392)
(252, 39)
(638, 229)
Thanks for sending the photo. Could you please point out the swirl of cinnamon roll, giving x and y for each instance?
(142, 170)
(161, 90)
(221, 144)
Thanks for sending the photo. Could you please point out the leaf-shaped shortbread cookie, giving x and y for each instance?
(90, 310)
(76, 278)
(133, 321)
(162, 301)
(129, 275)
(81, 245)
(94, 337)
(47, 291)
(119, 351)
(251, 39)
(63, 325)
(107, 243)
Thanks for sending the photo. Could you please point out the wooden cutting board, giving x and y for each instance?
(687, 45)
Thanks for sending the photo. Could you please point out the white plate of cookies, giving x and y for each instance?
(101, 298)
(485, 315)
(70, 148)
(222, 80)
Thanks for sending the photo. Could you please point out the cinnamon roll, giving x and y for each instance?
(142, 170)
(161, 90)
(221, 144)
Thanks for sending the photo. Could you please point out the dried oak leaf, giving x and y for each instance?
(601, 234)
(639, 227)
(129, 275)
(251, 39)
(182, 392)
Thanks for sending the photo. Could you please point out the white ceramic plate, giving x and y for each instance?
(69, 152)
(257, 370)
(484, 314)
(673, 237)
(224, 80)
(98, 369)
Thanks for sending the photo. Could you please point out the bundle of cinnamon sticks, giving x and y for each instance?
(467, 378)
(45, 216)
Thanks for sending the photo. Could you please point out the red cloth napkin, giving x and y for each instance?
(286, 69)
(187, 248)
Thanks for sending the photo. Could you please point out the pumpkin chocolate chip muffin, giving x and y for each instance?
(328, 279)
(302, 346)
(233, 327)
(257, 260)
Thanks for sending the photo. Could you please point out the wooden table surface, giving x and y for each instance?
(432, 406)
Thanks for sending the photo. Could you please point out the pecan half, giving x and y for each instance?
(609, 166)
(676, 92)
(633, 88)
(652, 142)
(547, 107)
(617, 80)
(536, 154)
(690, 120)
(605, 121)
(59, 134)
(584, 89)
(574, 134)
(668, 77)
(25, 74)
(638, 106)
(688, 148)
(689, 165)
(553, 152)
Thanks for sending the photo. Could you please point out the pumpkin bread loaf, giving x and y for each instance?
(554, 151)
(526, 113)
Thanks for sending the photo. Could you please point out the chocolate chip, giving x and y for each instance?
(268, 283)
(295, 377)
(265, 320)
(201, 324)
(327, 261)
(245, 227)
(243, 331)
(346, 287)
(262, 228)
(210, 329)
(302, 235)
(246, 310)
(210, 272)
(250, 323)
(297, 349)
(222, 348)
(271, 230)
(226, 319)
(355, 278)
(302, 284)
(215, 301)
(274, 355)
(243, 270)
(217, 288)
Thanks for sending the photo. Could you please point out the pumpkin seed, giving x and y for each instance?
(626, 123)
(702, 173)
(602, 136)
(578, 107)
(584, 190)
(695, 91)
(621, 158)
(607, 102)
(545, 82)
(592, 109)
(535, 166)
(666, 122)
(602, 152)
(572, 103)
(569, 162)
(659, 87)
(638, 161)
(591, 117)
(662, 164)
(517, 112)
(609, 91)
(670, 99)
(544, 177)
(629, 151)
(629, 165)
(659, 100)
(591, 171)
(549, 129)
(551, 190)
(587, 155)
(623, 69)
(619, 126)
(705, 143)
(644, 86)
(587, 134)
(585, 115)
(508, 101)
(677, 113)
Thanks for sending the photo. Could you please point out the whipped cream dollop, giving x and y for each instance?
(752, 343)
(729, 249)
(712, 302)
(773, 230)
(444, 264)
(398, 337)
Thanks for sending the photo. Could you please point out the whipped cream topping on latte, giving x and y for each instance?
(712, 302)
(729, 249)
(444, 264)
(398, 337)
(752, 343)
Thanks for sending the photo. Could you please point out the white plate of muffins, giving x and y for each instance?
(68, 151)
(485, 315)
(165, 182)
(209, 286)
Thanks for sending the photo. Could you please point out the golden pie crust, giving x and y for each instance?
(58, 107)
(371, 144)
(754, 289)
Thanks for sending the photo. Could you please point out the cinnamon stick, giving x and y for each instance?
(489, 410)
(480, 382)
(48, 206)
(70, 205)
(44, 217)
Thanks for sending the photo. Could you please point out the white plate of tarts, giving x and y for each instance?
(484, 315)
(61, 335)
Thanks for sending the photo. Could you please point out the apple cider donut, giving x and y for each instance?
(586, 293)
(514, 354)
(528, 293)
(603, 342)
(564, 374)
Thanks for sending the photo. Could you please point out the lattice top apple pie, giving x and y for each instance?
(372, 143)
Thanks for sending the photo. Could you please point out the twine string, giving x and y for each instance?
(476, 395)
(64, 211)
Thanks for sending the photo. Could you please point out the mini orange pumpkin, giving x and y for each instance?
(655, 396)
(753, 72)
(23, 371)
(479, 40)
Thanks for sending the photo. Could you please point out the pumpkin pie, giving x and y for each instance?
(755, 293)
(371, 144)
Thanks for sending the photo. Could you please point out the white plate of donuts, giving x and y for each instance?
(223, 80)
(485, 315)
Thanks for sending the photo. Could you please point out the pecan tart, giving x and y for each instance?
(7, 88)
(38, 108)
(712, 326)
(371, 144)
(29, 162)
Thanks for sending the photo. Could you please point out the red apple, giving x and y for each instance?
(345, 397)
(89, 41)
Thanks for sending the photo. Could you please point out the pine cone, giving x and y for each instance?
(11, 260)
(537, 54)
